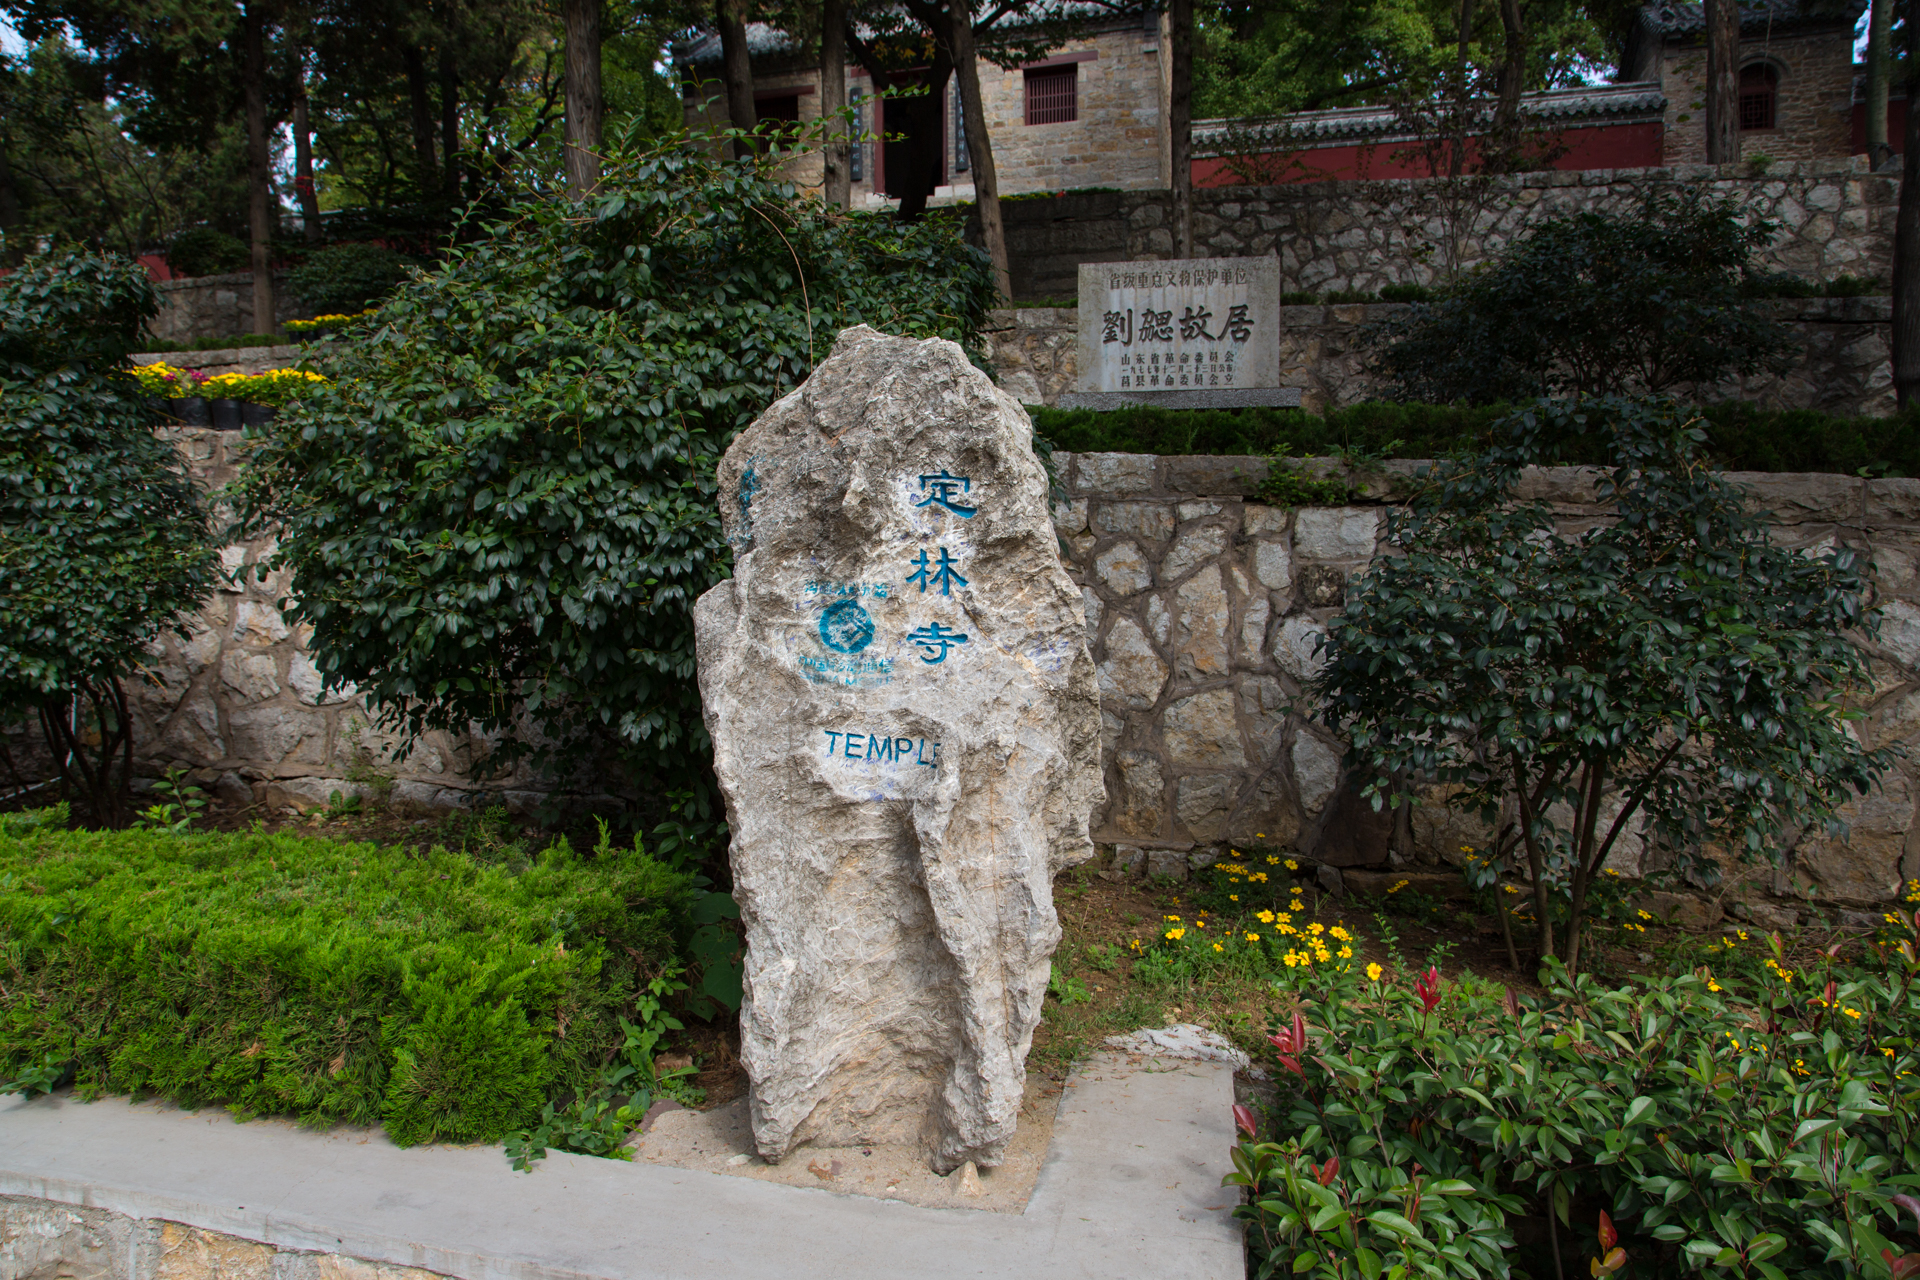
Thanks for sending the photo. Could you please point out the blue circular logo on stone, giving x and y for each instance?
(846, 627)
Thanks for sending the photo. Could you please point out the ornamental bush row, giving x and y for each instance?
(439, 996)
(1753, 1125)
(1740, 437)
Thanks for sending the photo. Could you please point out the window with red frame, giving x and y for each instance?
(1053, 94)
(1759, 89)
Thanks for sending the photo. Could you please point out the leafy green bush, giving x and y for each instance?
(103, 541)
(1740, 437)
(502, 510)
(202, 251)
(348, 277)
(447, 999)
(1671, 673)
(1595, 303)
(1723, 1127)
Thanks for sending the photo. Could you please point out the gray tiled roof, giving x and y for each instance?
(1613, 103)
(1756, 16)
(764, 40)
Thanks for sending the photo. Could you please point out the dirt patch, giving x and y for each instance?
(720, 1140)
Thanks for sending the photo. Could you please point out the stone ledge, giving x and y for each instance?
(1131, 1187)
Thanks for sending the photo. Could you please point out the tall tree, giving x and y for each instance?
(1513, 68)
(1879, 56)
(1723, 81)
(736, 71)
(836, 184)
(986, 183)
(583, 97)
(1906, 243)
(259, 167)
(303, 188)
(1180, 124)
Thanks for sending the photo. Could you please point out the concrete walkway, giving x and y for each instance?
(1131, 1188)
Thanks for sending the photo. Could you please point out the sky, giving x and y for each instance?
(10, 41)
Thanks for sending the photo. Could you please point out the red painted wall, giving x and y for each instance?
(1618, 146)
(1896, 128)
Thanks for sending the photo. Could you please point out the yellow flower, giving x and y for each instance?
(1398, 887)
(1316, 927)
(1174, 919)
(1264, 917)
(1284, 918)
(1340, 932)
(1346, 953)
(1510, 888)
(1852, 1013)
(1291, 865)
(1253, 937)
(1233, 897)
(1712, 985)
(1175, 935)
(1373, 972)
(1272, 860)
(1886, 1051)
(1218, 947)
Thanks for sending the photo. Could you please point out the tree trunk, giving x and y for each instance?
(1723, 82)
(449, 124)
(303, 189)
(1906, 242)
(836, 181)
(986, 183)
(1463, 93)
(421, 111)
(1879, 60)
(582, 149)
(1180, 124)
(9, 213)
(736, 68)
(1513, 74)
(259, 169)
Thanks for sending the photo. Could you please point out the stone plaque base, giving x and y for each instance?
(1199, 398)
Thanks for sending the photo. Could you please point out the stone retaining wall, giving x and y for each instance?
(1843, 367)
(218, 306)
(48, 1240)
(1202, 610)
(1835, 218)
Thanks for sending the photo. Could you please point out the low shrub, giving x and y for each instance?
(1761, 1126)
(1740, 437)
(442, 997)
(202, 251)
(348, 277)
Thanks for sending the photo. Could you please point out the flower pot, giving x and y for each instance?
(225, 414)
(189, 411)
(256, 415)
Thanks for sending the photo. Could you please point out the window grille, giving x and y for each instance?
(1053, 95)
(1759, 90)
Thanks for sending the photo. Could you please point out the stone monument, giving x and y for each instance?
(1198, 333)
(906, 728)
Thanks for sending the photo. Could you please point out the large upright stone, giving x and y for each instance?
(906, 726)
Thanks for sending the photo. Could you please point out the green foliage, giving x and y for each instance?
(1760, 1129)
(502, 510)
(1740, 436)
(441, 996)
(1594, 303)
(203, 251)
(348, 278)
(1545, 678)
(103, 541)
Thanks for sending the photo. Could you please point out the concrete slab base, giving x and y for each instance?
(1130, 1188)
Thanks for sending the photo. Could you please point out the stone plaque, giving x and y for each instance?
(1200, 325)
(906, 728)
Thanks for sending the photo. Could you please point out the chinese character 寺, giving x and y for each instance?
(934, 641)
(1156, 326)
(939, 575)
(1119, 327)
(940, 491)
(1239, 328)
(1194, 324)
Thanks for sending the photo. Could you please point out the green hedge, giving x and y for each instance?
(1740, 437)
(441, 997)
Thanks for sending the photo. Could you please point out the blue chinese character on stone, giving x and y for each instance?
(846, 627)
(934, 641)
(940, 491)
(941, 575)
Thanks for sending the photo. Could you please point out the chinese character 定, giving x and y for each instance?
(934, 641)
(1156, 326)
(940, 491)
(1239, 328)
(1194, 325)
(941, 575)
(1119, 327)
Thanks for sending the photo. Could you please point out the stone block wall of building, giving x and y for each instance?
(1842, 366)
(218, 306)
(1835, 219)
(1813, 103)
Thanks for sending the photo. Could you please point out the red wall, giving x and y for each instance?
(1896, 128)
(1618, 146)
